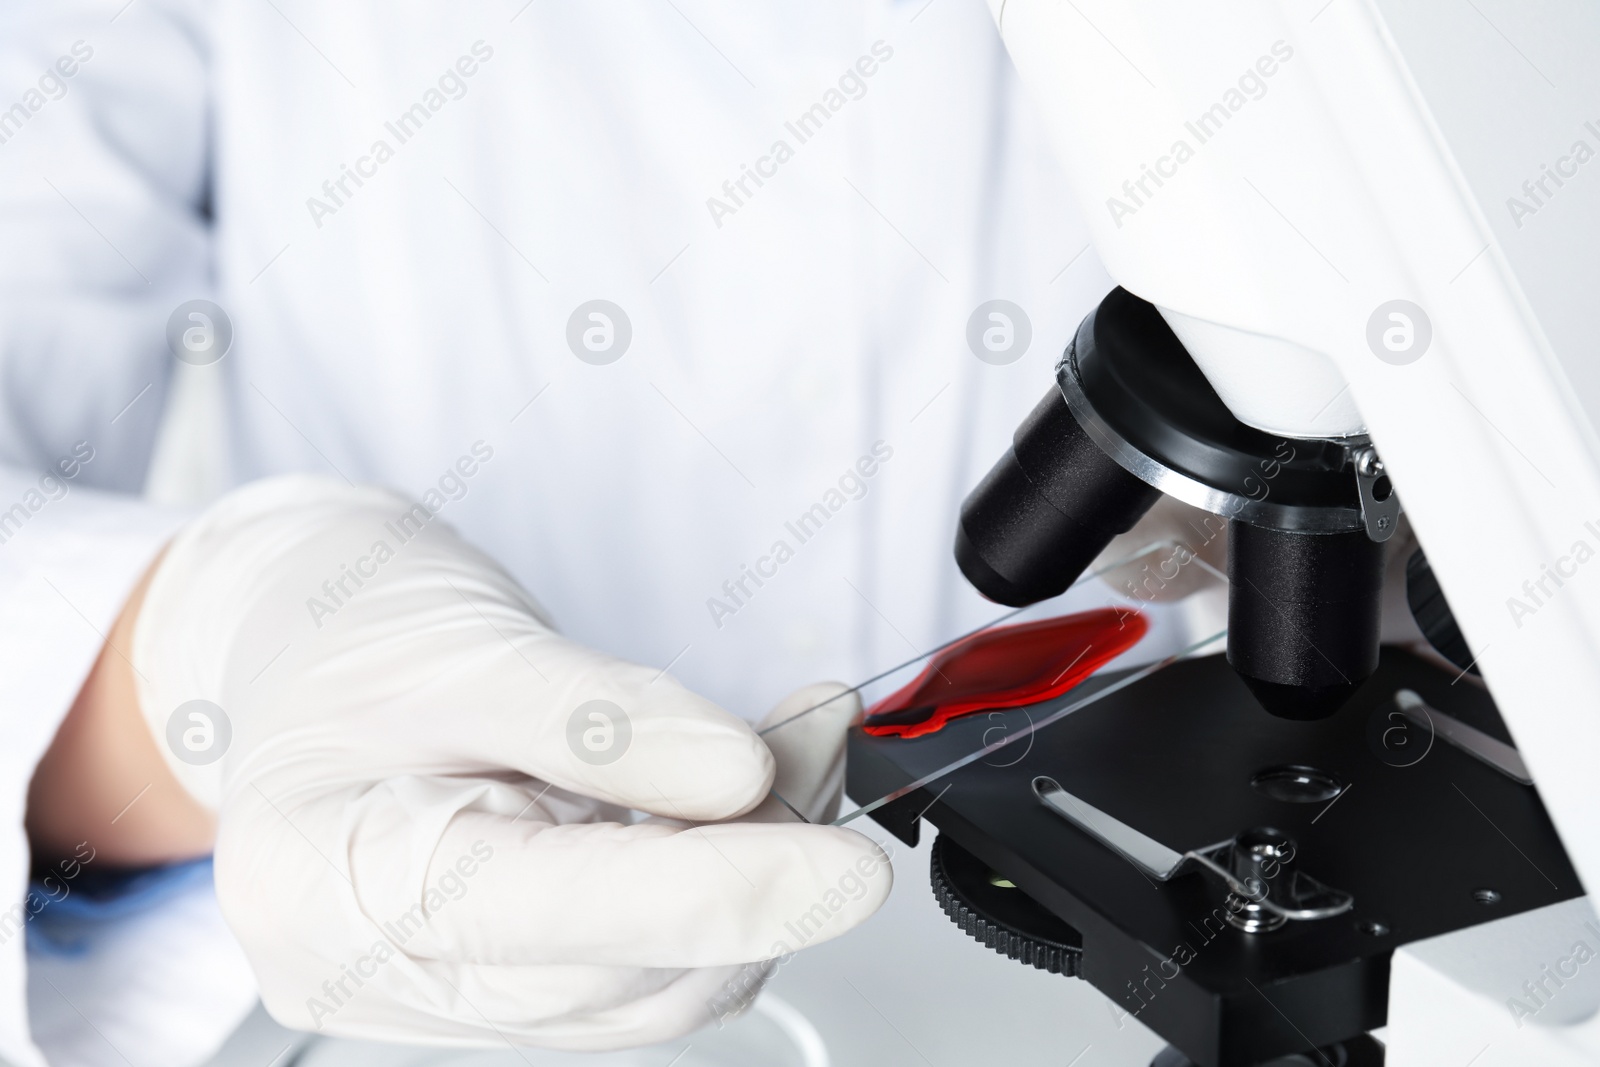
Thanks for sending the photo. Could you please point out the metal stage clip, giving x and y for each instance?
(1249, 864)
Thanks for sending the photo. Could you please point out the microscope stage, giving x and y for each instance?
(1425, 837)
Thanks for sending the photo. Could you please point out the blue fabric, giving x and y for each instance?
(65, 925)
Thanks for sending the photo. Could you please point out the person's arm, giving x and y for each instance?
(103, 187)
(104, 148)
(104, 781)
(69, 558)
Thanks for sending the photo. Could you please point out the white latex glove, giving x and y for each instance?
(1176, 551)
(424, 834)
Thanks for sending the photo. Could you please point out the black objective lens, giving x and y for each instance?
(1046, 510)
(1303, 616)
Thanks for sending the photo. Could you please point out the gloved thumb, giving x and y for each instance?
(806, 734)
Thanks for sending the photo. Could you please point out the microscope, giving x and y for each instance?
(1132, 417)
(1255, 852)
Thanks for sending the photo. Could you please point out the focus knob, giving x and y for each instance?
(992, 910)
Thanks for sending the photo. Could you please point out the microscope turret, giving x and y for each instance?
(1132, 417)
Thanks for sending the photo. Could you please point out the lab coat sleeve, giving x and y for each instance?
(69, 556)
(103, 208)
(103, 204)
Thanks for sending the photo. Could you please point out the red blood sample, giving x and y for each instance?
(1006, 667)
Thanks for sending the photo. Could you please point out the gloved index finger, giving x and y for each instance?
(622, 733)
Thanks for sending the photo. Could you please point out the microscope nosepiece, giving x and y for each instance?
(1133, 416)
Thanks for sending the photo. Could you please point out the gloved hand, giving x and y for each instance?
(424, 794)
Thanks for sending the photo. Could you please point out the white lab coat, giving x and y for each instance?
(385, 329)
